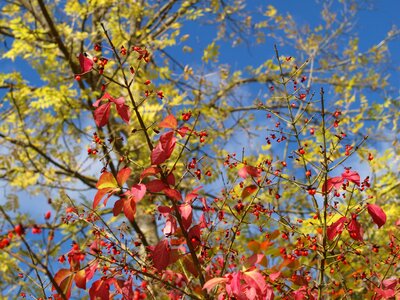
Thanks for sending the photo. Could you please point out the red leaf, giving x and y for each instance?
(138, 191)
(155, 186)
(100, 194)
(130, 209)
(85, 63)
(351, 176)
(100, 290)
(169, 122)
(107, 96)
(390, 283)
(151, 171)
(210, 284)
(385, 294)
(124, 112)
(274, 276)
(192, 195)
(90, 270)
(336, 228)
(235, 285)
(164, 148)
(101, 114)
(355, 230)
(183, 130)
(171, 179)
(160, 255)
(158, 155)
(248, 190)
(186, 214)
(123, 176)
(124, 287)
(249, 171)
(334, 182)
(256, 280)
(194, 233)
(118, 206)
(259, 258)
(172, 194)
(164, 210)
(377, 214)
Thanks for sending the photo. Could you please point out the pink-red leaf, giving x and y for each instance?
(256, 280)
(170, 226)
(138, 191)
(186, 214)
(377, 214)
(351, 176)
(249, 171)
(385, 294)
(355, 230)
(164, 148)
(123, 176)
(85, 62)
(390, 283)
(210, 284)
(336, 228)
(334, 182)
(124, 112)
(102, 114)
(169, 122)
(274, 276)
(183, 130)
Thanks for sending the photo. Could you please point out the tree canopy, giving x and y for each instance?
(156, 63)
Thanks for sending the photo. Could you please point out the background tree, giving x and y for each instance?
(49, 157)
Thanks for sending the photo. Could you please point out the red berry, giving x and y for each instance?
(19, 230)
(97, 47)
(78, 77)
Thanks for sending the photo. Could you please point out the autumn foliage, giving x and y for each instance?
(298, 223)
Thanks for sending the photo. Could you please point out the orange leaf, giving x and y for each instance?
(248, 190)
(106, 180)
(123, 176)
(169, 122)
